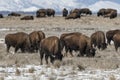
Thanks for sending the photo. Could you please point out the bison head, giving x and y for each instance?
(90, 52)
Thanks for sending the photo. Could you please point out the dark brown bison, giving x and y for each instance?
(111, 15)
(116, 40)
(64, 12)
(41, 13)
(85, 11)
(18, 40)
(50, 47)
(35, 39)
(109, 10)
(101, 12)
(14, 14)
(72, 16)
(98, 39)
(1, 16)
(77, 11)
(62, 38)
(110, 34)
(27, 18)
(50, 12)
(79, 43)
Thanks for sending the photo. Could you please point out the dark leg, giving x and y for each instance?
(51, 59)
(41, 56)
(46, 58)
(16, 49)
(8, 47)
(71, 53)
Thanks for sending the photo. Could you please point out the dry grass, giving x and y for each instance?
(1, 78)
(57, 64)
(18, 72)
(112, 77)
(31, 70)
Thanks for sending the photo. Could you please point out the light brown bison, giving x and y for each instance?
(35, 39)
(79, 43)
(116, 40)
(14, 14)
(1, 16)
(18, 40)
(101, 12)
(41, 13)
(50, 12)
(72, 16)
(77, 11)
(64, 12)
(98, 39)
(85, 11)
(27, 18)
(110, 34)
(62, 38)
(50, 47)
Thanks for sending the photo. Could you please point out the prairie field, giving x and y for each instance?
(104, 66)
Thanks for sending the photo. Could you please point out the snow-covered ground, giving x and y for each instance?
(45, 72)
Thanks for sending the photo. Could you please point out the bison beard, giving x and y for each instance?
(50, 47)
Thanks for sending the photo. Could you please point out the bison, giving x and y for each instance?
(41, 13)
(111, 15)
(35, 39)
(79, 43)
(101, 12)
(116, 40)
(62, 38)
(18, 40)
(65, 12)
(50, 12)
(14, 14)
(50, 47)
(98, 39)
(72, 16)
(85, 11)
(1, 16)
(27, 18)
(110, 34)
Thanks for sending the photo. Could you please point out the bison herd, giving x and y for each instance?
(73, 14)
(53, 46)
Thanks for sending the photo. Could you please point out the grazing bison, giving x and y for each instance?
(50, 47)
(35, 39)
(79, 43)
(62, 38)
(85, 11)
(110, 34)
(14, 14)
(27, 18)
(72, 16)
(65, 12)
(101, 12)
(50, 12)
(1, 16)
(98, 39)
(41, 13)
(18, 40)
(116, 40)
